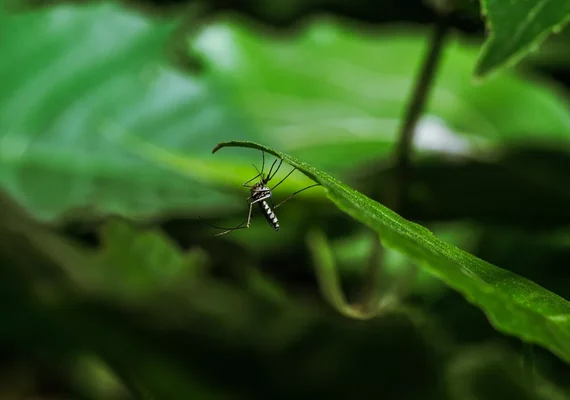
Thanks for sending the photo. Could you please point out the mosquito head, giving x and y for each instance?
(260, 187)
(263, 180)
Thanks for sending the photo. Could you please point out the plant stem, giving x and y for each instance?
(371, 294)
(327, 274)
(402, 163)
(413, 111)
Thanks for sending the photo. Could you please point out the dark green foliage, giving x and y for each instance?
(111, 287)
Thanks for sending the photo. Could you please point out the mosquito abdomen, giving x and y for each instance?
(269, 215)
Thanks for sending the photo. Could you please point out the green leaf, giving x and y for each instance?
(328, 278)
(478, 371)
(77, 84)
(135, 265)
(513, 304)
(552, 54)
(86, 123)
(352, 253)
(82, 275)
(517, 28)
(334, 94)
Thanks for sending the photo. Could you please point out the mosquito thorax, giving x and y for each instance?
(259, 189)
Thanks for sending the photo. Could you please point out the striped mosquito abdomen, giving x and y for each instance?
(260, 193)
(269, 214)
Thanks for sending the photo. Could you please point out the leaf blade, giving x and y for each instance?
(72, 99)
(513, 304)
(517, 28)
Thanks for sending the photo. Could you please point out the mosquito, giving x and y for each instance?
(261, 194)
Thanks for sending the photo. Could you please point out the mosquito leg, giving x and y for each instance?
(270, 169)
(246, 183)
(282, 180)
(297, 192)
(261, 199)
(249, 215)
(269, 177)
(240, 226)
(226, 230)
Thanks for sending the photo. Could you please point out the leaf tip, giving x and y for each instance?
(480, 75)
(218, 147)
(234, 143)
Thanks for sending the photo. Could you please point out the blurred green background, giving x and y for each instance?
(112, 288)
